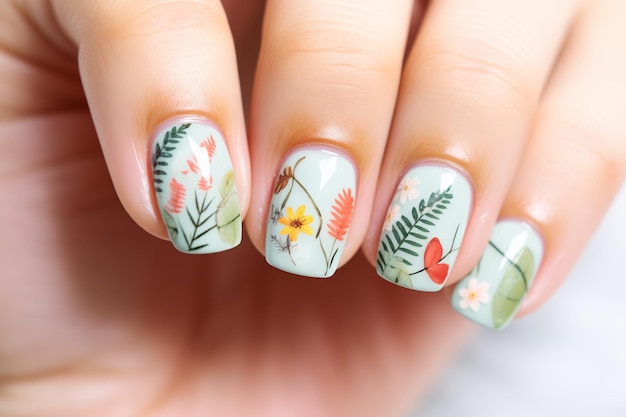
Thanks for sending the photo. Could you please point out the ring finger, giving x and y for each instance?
(469, 91)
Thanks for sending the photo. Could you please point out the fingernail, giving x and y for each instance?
(424, 227)
(492, 293)
(195, 186)
(310, 212)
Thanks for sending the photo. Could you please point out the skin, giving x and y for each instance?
(100, 318)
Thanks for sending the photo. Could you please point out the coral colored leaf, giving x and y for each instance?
(193, 166)
(177, 197)
(205, 185)
(432, 253)
(210, 146)
(201, 159)
(341, 214)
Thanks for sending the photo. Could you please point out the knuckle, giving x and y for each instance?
(141, 20)
(342, 56)
(589, 148)
(487, 70)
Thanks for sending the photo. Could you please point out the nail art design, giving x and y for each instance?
(311, 211)
(195, 186)
(427, 216)
(492, 293)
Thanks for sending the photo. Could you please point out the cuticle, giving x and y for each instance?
(180, 118)
(320, 146)
(530, 223)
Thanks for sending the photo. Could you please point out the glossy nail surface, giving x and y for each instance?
(195, 186)
(492, 293)
(424, 227)
(310, 212)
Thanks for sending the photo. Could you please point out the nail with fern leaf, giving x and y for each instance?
(194, 186)
(424, 227)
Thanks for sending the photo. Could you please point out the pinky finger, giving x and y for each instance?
(573, 167)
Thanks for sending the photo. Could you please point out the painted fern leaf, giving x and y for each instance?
(163, 151)
(407, 234)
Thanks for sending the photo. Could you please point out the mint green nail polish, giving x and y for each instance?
(310, 212)
(424, 227)
(492, 293)
(195, 186)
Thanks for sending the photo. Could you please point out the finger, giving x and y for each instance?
(167, 70)
(573, 168)
(323, 99)
(469, 90)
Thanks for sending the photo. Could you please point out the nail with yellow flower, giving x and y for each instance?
(296, 222)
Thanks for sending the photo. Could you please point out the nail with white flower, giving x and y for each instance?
(474, 294)
(492, 293)
(424, 227)
(194, 185)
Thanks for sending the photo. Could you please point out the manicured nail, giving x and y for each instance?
(491, 294)
(311, 211)
(424, 227)
(195, 186)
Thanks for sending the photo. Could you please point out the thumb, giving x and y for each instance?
(162, 85)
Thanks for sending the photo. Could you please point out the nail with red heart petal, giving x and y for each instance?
(424, 227)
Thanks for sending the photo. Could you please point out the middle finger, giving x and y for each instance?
(327, 76)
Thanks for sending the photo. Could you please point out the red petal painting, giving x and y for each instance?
(438, 273)
(432, 256)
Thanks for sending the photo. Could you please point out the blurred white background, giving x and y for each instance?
(566, 359)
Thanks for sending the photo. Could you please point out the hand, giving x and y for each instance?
(96, 308)
(98, 318)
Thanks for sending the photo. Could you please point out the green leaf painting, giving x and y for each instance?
(198, 219)
(396, 271)
(228, 212)
(408, 234)
(164, 150)
(513, 286)
(171, 224)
